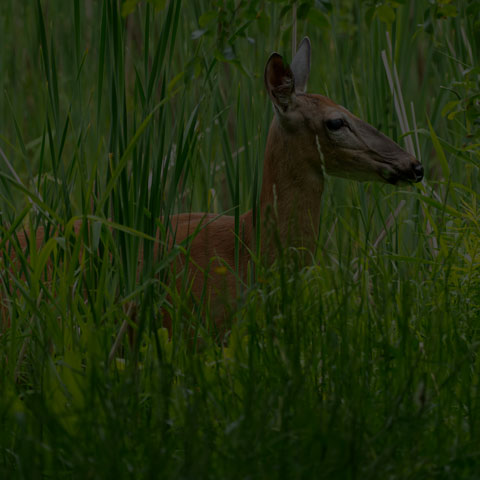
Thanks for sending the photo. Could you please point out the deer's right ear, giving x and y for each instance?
(301, 65)
(279, 81)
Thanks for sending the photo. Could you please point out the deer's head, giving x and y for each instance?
(347, 146)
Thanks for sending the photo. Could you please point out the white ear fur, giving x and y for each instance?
(301, 65)
(279, 81)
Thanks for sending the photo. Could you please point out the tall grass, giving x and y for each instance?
(364, 364)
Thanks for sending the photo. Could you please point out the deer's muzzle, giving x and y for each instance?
(411, 174)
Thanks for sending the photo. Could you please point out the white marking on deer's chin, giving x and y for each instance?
(322, 158)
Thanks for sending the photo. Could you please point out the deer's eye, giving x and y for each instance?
(335, 124)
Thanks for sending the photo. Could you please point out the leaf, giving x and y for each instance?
(285, 10)
(473, 9)
(174, 81)
(324, 5)
(386, 14)
(448, 11)
(452, 114)
(158, 4)
(440, 153)
(440, 206)
(42, 259)
(263, 22)
(303, 10)
(317, 18)
(449, 106)
(128, 6)
(240, 67)
(369, 14)
(207, 18)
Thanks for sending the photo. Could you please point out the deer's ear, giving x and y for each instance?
(279, 81)
(301, 65)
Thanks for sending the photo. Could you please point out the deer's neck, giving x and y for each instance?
(291, 191)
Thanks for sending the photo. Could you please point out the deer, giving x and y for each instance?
(310, 137)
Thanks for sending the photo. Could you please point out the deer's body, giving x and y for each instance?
(211, 261)
(310, 135)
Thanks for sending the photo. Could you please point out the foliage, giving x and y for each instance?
(365, 363)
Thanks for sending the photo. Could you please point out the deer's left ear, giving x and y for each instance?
(301, 65)
(279, 81)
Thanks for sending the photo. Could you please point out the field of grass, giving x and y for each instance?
(364, 365)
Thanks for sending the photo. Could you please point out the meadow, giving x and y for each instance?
(364, 364)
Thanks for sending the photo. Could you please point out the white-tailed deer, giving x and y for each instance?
(310, 136)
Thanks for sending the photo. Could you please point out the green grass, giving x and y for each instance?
(364, 365)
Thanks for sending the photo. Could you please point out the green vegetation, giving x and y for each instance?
(363, 365)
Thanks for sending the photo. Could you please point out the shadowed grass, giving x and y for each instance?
(364, 364)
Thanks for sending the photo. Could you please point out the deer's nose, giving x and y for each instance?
(418, 170)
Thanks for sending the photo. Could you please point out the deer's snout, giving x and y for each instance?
(415, 172)
(418, 172)
(410, 170)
